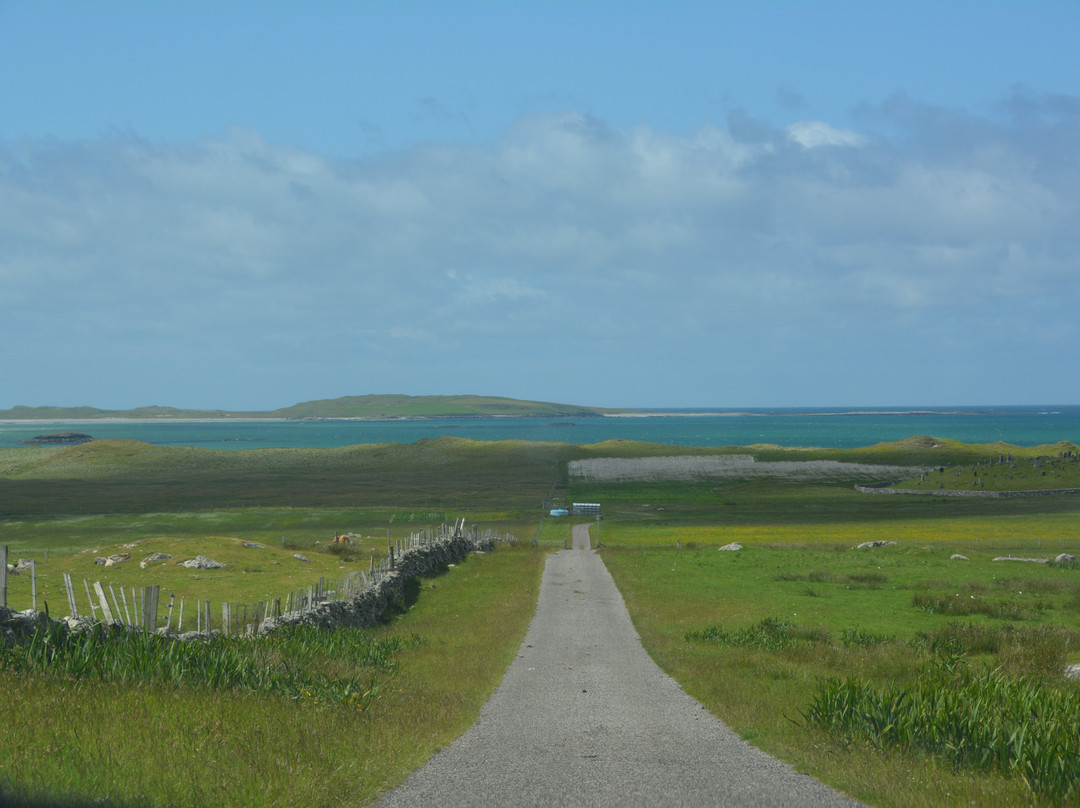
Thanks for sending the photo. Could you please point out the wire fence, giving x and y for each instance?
(143, 607)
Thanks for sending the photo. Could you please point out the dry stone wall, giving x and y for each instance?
(364, 609)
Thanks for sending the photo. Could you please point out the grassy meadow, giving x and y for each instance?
(771, 638)
(761, 635)
(156, 742)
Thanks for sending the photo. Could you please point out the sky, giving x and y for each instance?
(245, 205)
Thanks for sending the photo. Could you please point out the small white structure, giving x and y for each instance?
(585, 508)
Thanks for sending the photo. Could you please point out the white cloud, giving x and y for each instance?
(815, 134)
(566, 225)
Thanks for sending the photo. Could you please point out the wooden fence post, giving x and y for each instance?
(116, 605)
(70, 589)
(150, 607)
(3, 574)
(105, 610)
(33, 584)
(89, 597)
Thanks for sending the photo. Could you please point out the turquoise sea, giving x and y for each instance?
(829, 427)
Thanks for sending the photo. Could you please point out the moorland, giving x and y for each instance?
(788, 640)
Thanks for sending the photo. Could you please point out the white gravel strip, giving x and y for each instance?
(706, 467)
(584, 717)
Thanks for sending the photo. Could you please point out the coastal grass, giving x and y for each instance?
(446, 473)
(707, 617)
(154, 742)
(756, 635)
(122, 476)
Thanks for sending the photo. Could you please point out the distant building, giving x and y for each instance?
(585, 508)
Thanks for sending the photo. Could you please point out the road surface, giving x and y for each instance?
(584, 717)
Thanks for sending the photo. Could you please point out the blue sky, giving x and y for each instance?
(245, 205)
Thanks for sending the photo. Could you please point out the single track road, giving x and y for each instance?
(584, 717)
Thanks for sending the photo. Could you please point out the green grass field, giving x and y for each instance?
(754, 635)
(150, 743)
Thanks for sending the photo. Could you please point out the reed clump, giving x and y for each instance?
(301, 663)
(770, 634)
(981, 720)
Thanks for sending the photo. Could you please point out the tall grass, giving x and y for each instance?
(979, 720)
(302, 663)
(771, 634)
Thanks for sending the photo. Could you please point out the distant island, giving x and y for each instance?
(369, 407)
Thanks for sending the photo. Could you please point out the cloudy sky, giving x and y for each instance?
(719, 204)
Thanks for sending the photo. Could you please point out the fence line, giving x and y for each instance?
(247, 619)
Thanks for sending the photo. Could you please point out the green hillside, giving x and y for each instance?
(370, 406)
(396, 406)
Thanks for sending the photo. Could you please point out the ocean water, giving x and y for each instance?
(828, 427)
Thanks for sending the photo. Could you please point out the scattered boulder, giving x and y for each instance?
(252, 545)
(869, 545)
(23, 565)
(113, 560)
(151, 559)
(201, 563)
(1028, 560)
(299, 557)
(1063, 558)
(958, 557)
(1072, 671)
(730, 547)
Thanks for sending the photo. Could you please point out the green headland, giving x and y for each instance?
(367, 406)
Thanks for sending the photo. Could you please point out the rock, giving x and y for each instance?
(193, 636)
(23, 565)
(1072, 671)
(1029, 560)
(1064, 558)
(730, 547)
(299, 557)
(201, 563)
(958, 557)
(113, 560)
(151, 559)
(251, 545)
(869, 545)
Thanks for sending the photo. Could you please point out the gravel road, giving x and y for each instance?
(584, 717)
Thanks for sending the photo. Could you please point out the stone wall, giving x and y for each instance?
(937, 492)
(365, 609)
(371, 605)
